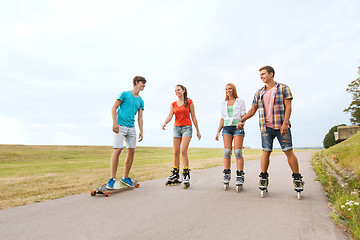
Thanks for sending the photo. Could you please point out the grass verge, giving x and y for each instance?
(338, 171)
(30, 174)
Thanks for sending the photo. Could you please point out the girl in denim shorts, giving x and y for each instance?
(183, 108)
(231, 111)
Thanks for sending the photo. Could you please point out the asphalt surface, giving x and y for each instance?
(204, 211)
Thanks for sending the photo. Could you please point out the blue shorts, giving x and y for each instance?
(182, 131)
(267, 139)
(231, 130)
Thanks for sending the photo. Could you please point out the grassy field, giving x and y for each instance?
(338, 169)
(30, 174)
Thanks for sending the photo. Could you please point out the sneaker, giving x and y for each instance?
(127, 181)
(110, 184)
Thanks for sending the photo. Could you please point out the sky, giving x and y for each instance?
(64, 63)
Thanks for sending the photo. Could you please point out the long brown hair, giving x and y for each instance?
(234, 91)
(184, 95)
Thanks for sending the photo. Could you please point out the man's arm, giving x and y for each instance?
(114, 115)
(140, 122)
(248, 115)
(284, 129)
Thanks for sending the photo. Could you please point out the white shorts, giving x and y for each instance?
(129, 134)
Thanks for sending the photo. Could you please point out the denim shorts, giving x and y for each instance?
(267, 139)
(231, 130)
(182, 131)
(127, 134)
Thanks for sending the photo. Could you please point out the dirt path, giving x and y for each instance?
(204, 211)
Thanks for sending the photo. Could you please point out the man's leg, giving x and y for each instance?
(267, 139)
(292, 160)
(130, 150)
(286, 145)
(128, 161)
(265, 160)
(114, 162)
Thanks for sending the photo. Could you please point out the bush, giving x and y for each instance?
(329, 139)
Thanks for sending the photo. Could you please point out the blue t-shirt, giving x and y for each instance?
(128, 108)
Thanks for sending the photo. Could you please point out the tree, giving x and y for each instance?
(329, 139)
(354, 108)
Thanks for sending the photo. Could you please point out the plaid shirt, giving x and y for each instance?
(282, 92)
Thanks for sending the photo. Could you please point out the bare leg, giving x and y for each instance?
(238, 144)
(265, 161)
(228, 145)
(176, 144)
(184, 150)
(114, 161)
(128, 161)
(292, 160)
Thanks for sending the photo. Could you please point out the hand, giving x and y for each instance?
(217, 136)
(116, 128)
(140, 136)
(240, 125)
(163, 126)
(198, 135)
(284, 129)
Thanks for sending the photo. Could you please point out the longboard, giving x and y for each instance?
(118, 187)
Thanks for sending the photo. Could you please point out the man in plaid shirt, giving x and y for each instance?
(274, 104)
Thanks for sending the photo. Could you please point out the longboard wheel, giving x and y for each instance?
(137, 185)
(93, 193)
(107, 194)
(299, 195)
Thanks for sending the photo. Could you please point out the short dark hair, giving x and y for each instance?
(138, 79)
(269, 69)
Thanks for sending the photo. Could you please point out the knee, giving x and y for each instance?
(183, 152)
(177, 152)
(131, 150)
(238, 153)
(117, 151)
(227, 153)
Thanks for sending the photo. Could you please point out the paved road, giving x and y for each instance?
(204, 211)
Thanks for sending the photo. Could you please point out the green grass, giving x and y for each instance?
(342, 188)
(30, 174)
(347, 153)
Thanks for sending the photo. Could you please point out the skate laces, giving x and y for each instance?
(298, 183)
(227, 177)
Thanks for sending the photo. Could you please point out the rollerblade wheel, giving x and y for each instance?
(238, 188)
(299, 195)
(226, 186)
(262, 193)
(186, 185)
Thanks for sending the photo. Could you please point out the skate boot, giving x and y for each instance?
(186, 178)
(227, 177)
(174, 177)
(239, 180)
(298, 184)
(263, 183)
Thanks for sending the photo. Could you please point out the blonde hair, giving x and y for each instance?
(234, 91)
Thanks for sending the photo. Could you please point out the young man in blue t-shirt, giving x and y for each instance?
(123, 112)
